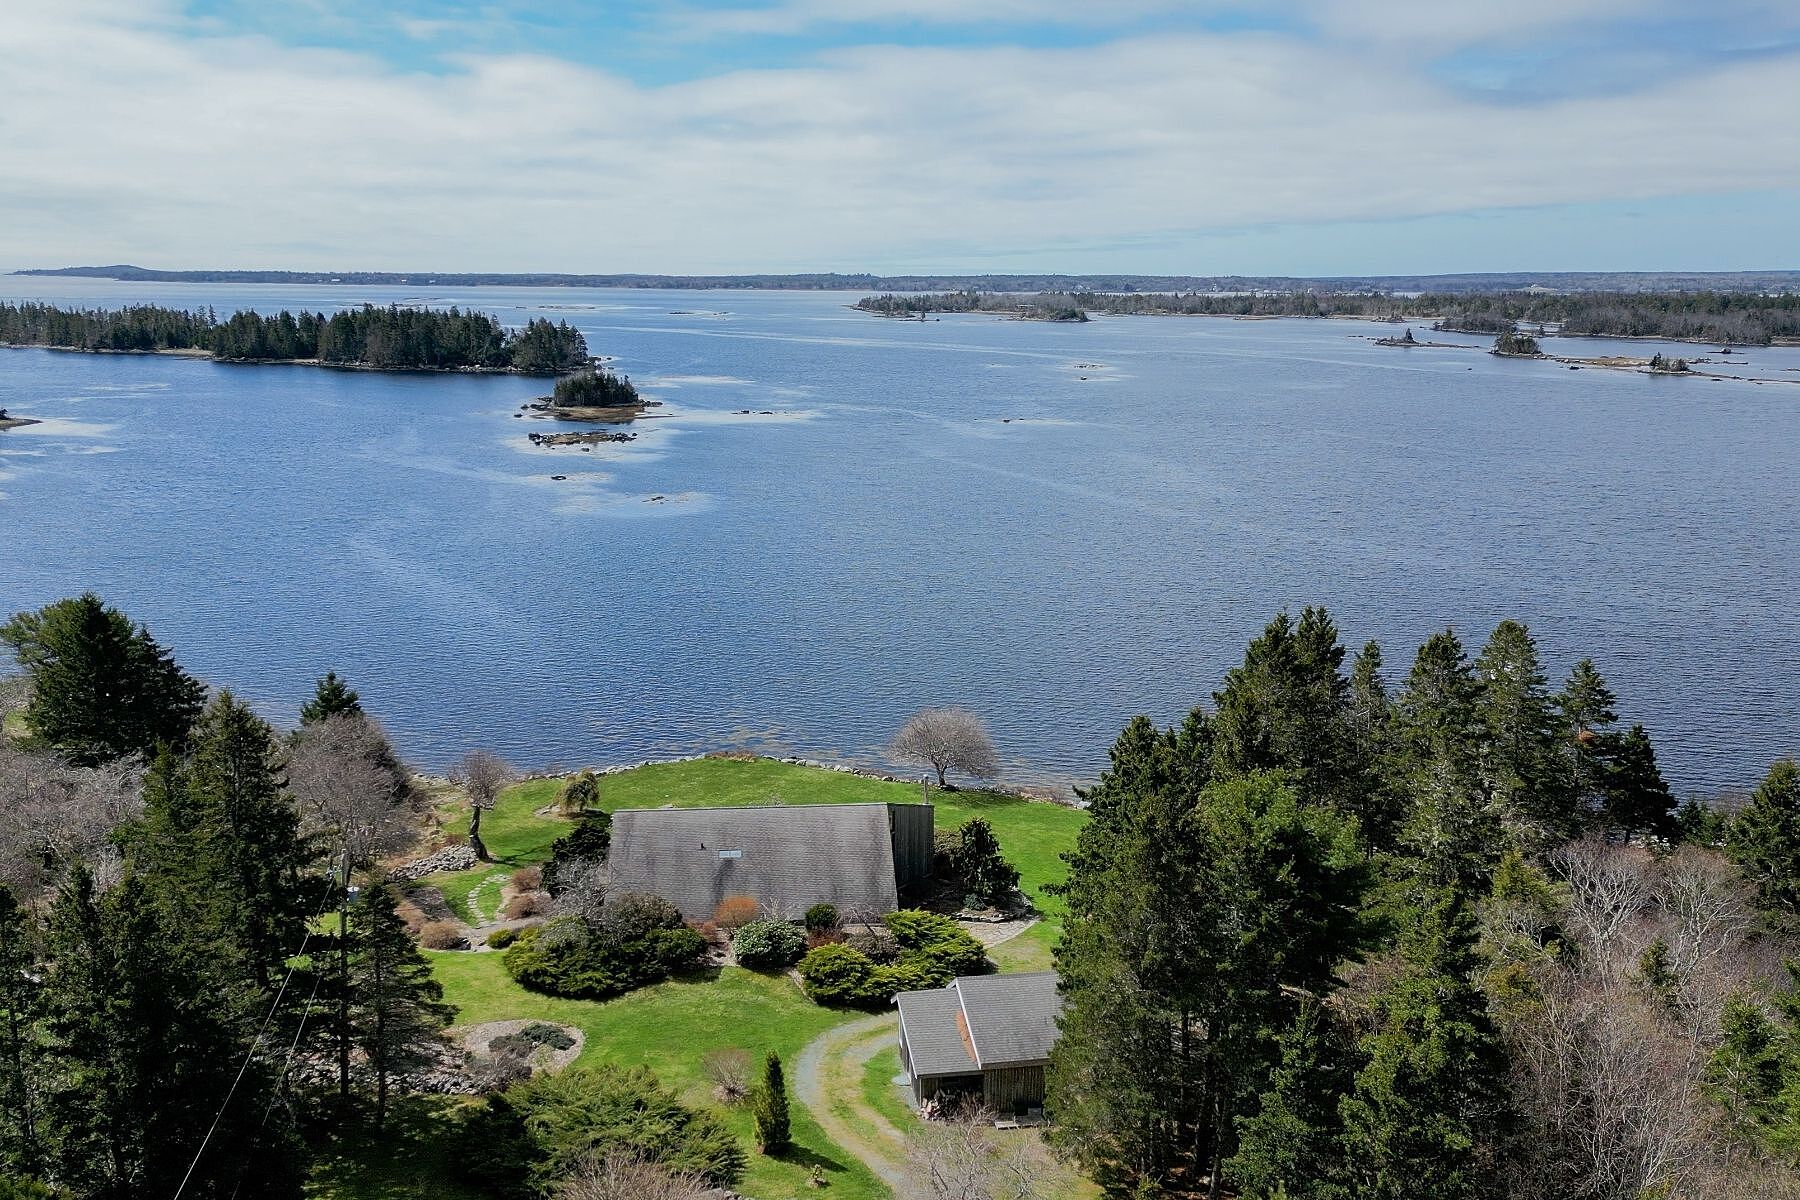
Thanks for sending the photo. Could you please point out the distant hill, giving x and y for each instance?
(1477, 283)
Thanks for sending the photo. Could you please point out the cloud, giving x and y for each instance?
(143, 139)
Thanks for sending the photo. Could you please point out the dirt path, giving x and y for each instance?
(829, 1071)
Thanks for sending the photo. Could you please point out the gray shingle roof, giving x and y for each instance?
(980, 1022)
(1012, 1018)
(934, 1040)
(785, 856)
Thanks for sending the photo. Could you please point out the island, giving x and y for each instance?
(11, 422)
(1044, 307)
(394, 338)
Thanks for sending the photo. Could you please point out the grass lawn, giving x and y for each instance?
(670, 1028)
(880, 1092)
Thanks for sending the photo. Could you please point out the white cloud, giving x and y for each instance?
(136, 141)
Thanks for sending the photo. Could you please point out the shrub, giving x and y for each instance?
(837, 974)
(527, 1041)
(413, 915)
(565, 957)
(768, 944)
(525, 904)
(500, 939)
(736, 911)
(442, 935)
(528, 879)
(878, 943)
(821, 918)
(729, 1069)
(547, 1129)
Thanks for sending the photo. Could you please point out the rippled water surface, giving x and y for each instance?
(1059, 526)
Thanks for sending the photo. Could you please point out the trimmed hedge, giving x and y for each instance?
(933, 951)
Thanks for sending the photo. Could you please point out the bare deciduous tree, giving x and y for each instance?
(344, 776)
(966, 1158)
(53, 815)
(483, 775)
(947, 739)
(623, 1176)
(581, 889)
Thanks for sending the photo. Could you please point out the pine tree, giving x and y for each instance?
(1520, 763)
(20, 1148)
(769, 1106)
(1637, 798)
(100, 689)
(1588, 716)
(1429, 1108)
(332, 697)
(397, 1008)
(1765, 841)
(248, 837)
(1292, 1146)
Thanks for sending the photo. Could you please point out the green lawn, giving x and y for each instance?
(670, 1028)
(879, 1091)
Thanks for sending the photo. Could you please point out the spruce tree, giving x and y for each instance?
(249, 837)
(20, 1068)
(1375, 805)
(1765, 841)
(1292, 1146)
(984, 871)
(1429, 1108)
(397, 1008)
(769, 1106)
(1520, 764)
(100, 689)
(331, 698)
(1451, 833)
(1637, 798)
(1588, 715)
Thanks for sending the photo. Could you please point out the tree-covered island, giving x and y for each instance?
(385, 339)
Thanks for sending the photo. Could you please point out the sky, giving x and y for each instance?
(1312, 137)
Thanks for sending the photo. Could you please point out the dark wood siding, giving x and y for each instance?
(911, 825)
(1004, 1089)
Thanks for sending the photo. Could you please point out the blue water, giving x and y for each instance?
(888, 540)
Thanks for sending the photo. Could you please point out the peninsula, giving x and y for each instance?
(368, 338)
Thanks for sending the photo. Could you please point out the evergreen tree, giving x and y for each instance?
(20, 1070)
(1637, 798)
(247, 836)
(1195, 919)
(100, 689)
(397, 1008)
(332, 697)
(1371, 728)
(143, 1061)
(1451, 833)
(1765, 841)
(984, 871)
(769, 1106)
(1755, 1073)
(1520, 761)
(1288, 707)
(1429, 1108)
(1588, 716)
(1292, 1147)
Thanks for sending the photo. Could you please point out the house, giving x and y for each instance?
(859, 857)
(985, 1036)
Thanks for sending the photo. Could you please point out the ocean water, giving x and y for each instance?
(1058, 526)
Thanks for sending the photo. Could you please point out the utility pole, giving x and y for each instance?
(343, 980)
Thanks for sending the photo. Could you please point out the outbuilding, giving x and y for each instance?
(984, 1037)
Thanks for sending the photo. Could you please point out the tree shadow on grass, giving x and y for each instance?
(800, 1156)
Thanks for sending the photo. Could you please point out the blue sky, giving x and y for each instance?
(1311, 137)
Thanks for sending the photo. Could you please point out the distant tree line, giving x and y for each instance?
(1748, 318)
(391, 338)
